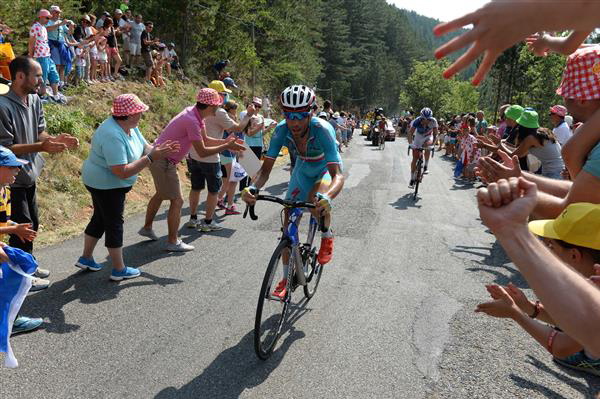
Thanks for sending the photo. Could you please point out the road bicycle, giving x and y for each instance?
(419, 166)
(304, 270)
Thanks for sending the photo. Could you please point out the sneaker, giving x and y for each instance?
(192, 223)
(179, 246)
(39, 284)
(41, 273)
(128, 272)
(326, 250)
(411, 184)
(425, 169)
(232, 210)
(213, 226)
(88, 264)
(581, 362)
(148, 233)
(221, 204)
(280, 290)
(23, 324)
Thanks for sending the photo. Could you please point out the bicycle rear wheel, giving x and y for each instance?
(271, 311)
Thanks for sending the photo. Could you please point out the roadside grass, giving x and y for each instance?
(64, 203)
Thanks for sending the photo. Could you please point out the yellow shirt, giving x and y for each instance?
(4, 210)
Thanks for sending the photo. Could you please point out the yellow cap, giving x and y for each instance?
(4, 89)
(578, 224)
(219, 86)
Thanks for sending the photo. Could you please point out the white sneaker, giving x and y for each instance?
(179, 246)
(212, 226)
(148, 233)
(192, 223)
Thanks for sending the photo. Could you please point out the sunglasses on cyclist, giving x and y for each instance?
(296, 115)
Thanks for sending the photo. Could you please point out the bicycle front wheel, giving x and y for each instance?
(271, 310)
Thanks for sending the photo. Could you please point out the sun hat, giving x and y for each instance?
(229, 82)
(336, 115)
(55, 9)
(513, 112)
(322, 114)
(119, 11)
(257, 101)
(219, 86)
(8, 158)
(86, 18)
(559, 110)
(578, 224)
(4, 88)
(128, 104)
(581, 77)
(44, 13)
(209, 96)
(529, 118)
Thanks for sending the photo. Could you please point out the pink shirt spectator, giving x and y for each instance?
(41, 49)
(184, 128)
(501, 129)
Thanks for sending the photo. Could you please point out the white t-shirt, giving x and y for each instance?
(80, 61)
(562, 133)
(136, 32)
(166, 54)
(215, 126)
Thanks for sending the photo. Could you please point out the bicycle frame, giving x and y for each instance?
(291, 234)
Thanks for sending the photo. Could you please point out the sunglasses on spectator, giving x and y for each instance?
(296, 115)
(257, 105)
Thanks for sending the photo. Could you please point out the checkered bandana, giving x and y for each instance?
(209, 97)
(128, 104)
(581, 77)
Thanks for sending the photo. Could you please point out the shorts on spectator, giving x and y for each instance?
(126, 43)
(135, 48)
(205, 174)
(49, 72)
(166, 179)
(112, 52)
(56, 56)
(148, 60)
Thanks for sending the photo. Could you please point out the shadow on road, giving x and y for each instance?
(405, 202)
(494, 257)
(85, 287)
(237, 368)
(277, 189)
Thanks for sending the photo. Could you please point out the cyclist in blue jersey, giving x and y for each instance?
(317, 175)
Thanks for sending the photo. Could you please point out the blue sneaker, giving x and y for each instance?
(88, 264)
(128, 272)
(580, 361)
(23, 324)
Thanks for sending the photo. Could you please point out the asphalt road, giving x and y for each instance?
(393, 316)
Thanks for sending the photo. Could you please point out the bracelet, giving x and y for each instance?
(551, 337)
(536, 310)
(149, 158)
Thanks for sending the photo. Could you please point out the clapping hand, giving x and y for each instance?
(70, 141)
(502, 306)
(538, 44)
(496, 27)
(506, 204)
(234, 144)
(24, 231)
(163, 150)
(490, 171)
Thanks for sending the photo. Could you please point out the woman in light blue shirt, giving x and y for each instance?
(118, 153)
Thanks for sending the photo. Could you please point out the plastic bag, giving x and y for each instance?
(237, 172)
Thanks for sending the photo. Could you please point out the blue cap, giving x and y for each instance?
(230, 82)
(8, 158)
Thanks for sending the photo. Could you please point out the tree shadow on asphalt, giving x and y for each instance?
(237, 368)
(493, 257)
(589, 389)
(277, 189)
(405, 202)
(85, 287)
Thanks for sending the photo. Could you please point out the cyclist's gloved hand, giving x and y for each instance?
(323, 203)
(249, 194)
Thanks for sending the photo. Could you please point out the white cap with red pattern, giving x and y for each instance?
(581, 77)
(209, 97)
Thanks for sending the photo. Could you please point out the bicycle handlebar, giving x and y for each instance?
(285, 203)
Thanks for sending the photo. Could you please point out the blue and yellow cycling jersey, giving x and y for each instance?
(311, 168)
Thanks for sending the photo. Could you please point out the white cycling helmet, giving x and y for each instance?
(297, 96)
